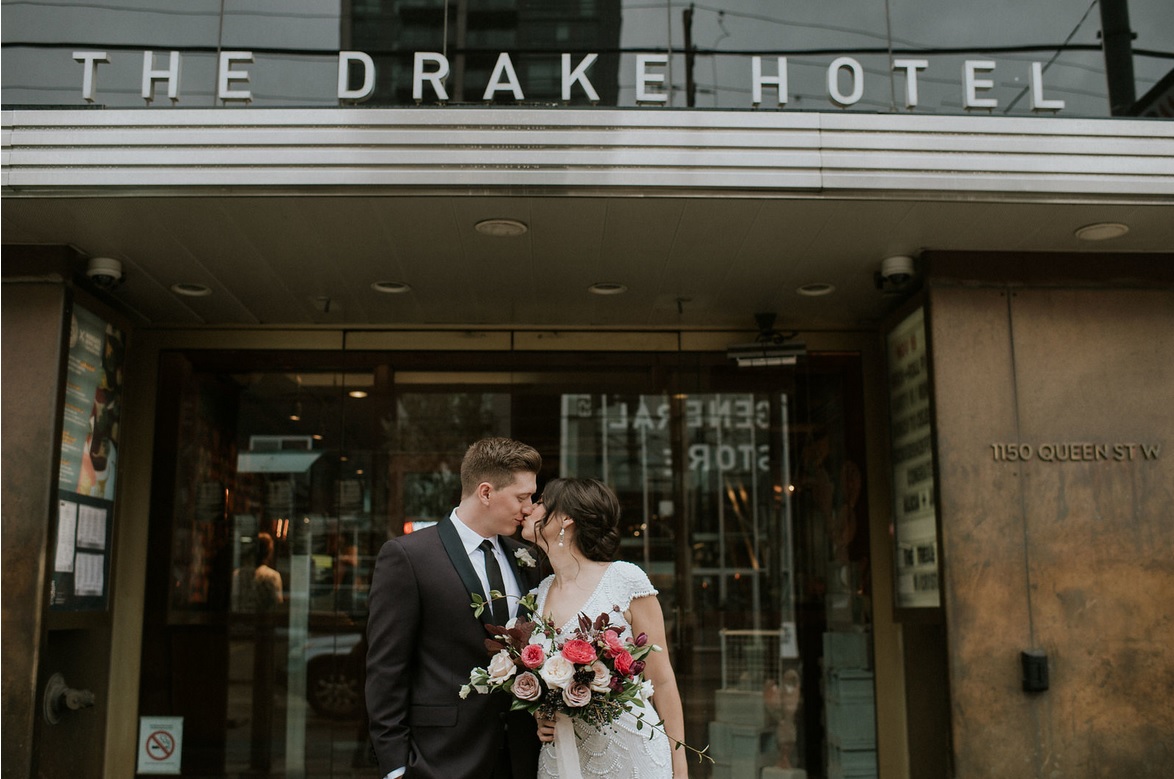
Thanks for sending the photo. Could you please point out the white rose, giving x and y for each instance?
(558, 671)
(602, 680)
(501, 667)
(646, 690)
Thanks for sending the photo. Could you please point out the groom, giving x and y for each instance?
(424, 637)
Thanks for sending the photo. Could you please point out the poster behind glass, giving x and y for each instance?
(88, 463)
(910, 418)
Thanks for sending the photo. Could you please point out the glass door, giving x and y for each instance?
(742, 498)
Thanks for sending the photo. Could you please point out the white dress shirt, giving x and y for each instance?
(472, 541)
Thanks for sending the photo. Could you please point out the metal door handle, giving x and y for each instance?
(60, 697)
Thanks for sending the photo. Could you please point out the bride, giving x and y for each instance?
(576, 525)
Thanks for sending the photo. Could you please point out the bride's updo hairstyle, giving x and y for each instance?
(595, 509)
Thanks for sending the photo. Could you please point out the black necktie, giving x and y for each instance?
(499, 607)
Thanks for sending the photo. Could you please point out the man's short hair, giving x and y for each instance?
(497, 460)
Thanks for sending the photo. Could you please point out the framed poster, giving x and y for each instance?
(88, 463)
(915, 525)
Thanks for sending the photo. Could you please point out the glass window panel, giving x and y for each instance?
(742, 495)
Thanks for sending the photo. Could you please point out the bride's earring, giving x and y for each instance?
(561, 535)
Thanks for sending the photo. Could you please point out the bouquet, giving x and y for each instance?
(592, 675)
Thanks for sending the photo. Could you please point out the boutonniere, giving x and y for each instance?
(525, 559)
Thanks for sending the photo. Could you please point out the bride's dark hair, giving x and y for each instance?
(595, 509)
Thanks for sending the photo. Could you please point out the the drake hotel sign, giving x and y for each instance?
(845, 78)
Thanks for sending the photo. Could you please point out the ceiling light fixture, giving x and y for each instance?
(391, 287)
(770, 348)
(607, 288)
(191, 290)
(501, 228)
(357, 393)
(1101, 231)
(816, 289)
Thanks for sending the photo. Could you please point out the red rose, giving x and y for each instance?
(579, 652)
(533, 656)
(624, 662)
(612, 639)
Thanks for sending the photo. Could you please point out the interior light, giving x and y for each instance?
(501, 228)
(1101, 231)
(816, 289)
(607, 288)
(191, 290)
(391, 287)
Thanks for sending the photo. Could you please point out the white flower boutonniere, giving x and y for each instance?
(525, 559)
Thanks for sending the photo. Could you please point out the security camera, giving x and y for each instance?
(897, 270)
(105, 272)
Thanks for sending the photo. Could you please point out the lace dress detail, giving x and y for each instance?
(619, 750)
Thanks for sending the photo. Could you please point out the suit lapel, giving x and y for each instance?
(460, 560)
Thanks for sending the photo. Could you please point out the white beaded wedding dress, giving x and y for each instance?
(618, 750)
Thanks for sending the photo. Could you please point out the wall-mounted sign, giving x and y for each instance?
(766, 79)
(88, 463)
(1075, 452)
(915, 528)
(160, 745)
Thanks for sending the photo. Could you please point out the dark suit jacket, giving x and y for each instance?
(423, 639)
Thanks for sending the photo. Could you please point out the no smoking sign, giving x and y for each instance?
(160, 745)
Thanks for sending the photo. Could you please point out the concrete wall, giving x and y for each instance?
(33, 316)
(1074, 557)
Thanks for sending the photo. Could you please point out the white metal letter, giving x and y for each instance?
(971, 84)
(910, 67)
(579, 74)
(436, 77)
(503, 67)
(228, 75)
(780, 81)
(150, 76)
(89, 60)
(838, 97)
(345, 58)
(1037, 91)
(644, 78)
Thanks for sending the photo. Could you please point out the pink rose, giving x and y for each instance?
(612, 639)
(577, 695)
(602, 680)
(527, 687)
(624, 662)
(533, 656)
(579, 652)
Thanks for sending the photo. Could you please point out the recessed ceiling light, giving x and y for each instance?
(191, 290)
(357, 393)
(1101, 231)
(607, 288)
(391, 287)
(816, 289)
(501, 228)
